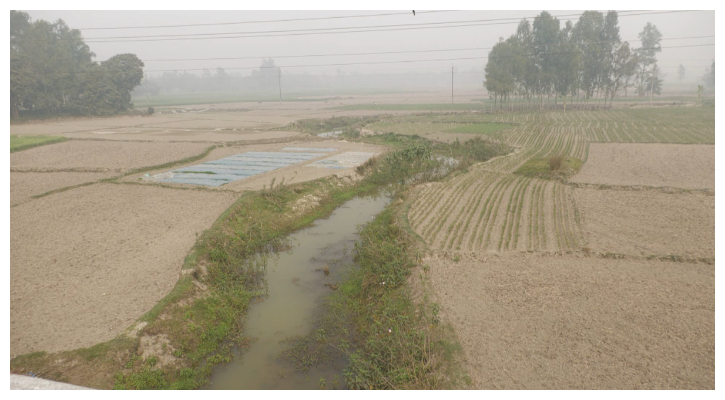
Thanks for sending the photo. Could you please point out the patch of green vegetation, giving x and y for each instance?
(19, 143)
(672, 115)
(484, 128)
(345, 124)
(172, 164)
(202, 316)
(539, 167)
(372, 321)
(412, 107)
(466, 153)
(198, 172)
(395, 141)
(426, 124)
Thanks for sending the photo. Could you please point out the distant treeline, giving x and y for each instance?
(268, 78)
(587, 60)
(52, 72)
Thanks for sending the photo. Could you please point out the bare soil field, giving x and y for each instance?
(213, 135)
(534, 321)
(292, 174)
(652, 164)
(217, 127)
(217, 122)
(647, 222)
(100, 156)
(23, 185)
(86, 263)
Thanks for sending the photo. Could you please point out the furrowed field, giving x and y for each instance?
(580, 254)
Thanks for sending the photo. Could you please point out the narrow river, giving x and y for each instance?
(296, 288)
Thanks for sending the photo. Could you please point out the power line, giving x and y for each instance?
(312, 29)
(266, 21)
(325, 31)
(406, 61)
(384, 52)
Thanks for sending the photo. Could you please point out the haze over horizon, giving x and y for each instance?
(481, 31)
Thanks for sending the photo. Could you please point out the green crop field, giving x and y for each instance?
(515, 202)
(18, 143)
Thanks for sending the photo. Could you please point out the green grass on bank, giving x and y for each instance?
(18, 143)
(202, 316)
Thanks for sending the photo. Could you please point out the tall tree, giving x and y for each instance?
(610, 45)
(680, 73)
(588, 33)
(654, 81)
(500, 79)
(545, 41)
(566, 65)
(624, 66)
(709, 77)
(52, 70)
(647, 55)
(126, 72)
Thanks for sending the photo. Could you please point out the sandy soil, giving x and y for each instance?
(99, 156)
(528, 321)
(647, 222)
(686, 166)
(293, 174)
(217, 122)
(213, 135)
(23, 185)
(86, 263)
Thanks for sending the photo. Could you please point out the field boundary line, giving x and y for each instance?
(639, 188)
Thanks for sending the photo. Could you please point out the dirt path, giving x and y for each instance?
(102, 155)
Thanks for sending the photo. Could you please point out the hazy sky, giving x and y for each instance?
(673, 25)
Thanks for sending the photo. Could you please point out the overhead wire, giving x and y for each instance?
(405, 61)
(264, 21)
(323, 31)
(382, 52)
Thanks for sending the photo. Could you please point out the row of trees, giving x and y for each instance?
(264, 82)
(52, 72)
(587, 59)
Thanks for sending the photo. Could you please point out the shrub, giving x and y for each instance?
(150, 110)
(555, 162)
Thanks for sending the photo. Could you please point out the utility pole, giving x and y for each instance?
(651, 86)
(451, 83)
(146, 81)
(279, 81)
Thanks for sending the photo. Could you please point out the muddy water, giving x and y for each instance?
(296, 287)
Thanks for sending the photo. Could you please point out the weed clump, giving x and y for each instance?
(555, 162)
(393, 347)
